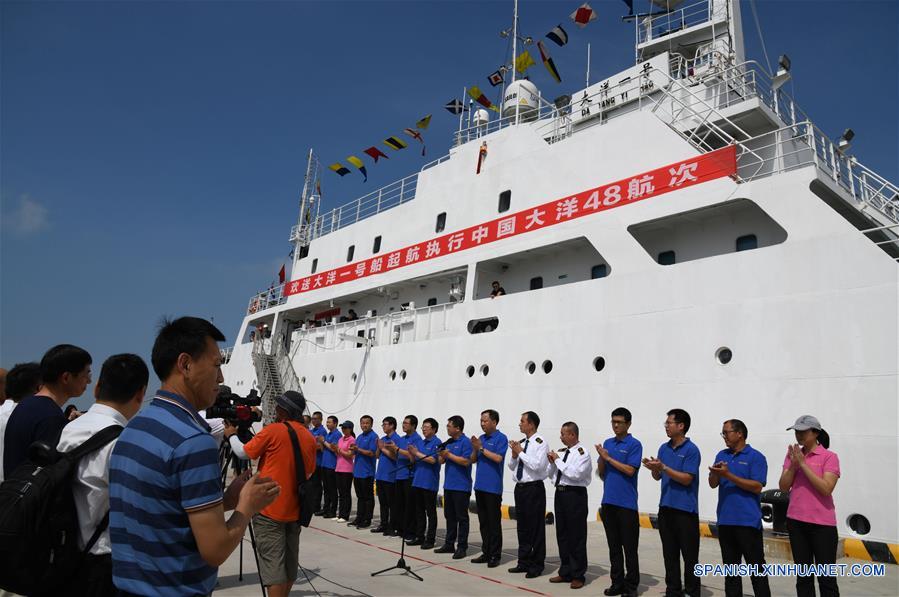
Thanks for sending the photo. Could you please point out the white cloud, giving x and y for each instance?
(28, 217)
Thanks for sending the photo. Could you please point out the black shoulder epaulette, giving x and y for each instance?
(539, 440)
(580, 451)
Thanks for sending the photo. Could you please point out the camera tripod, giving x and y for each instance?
(228, 457)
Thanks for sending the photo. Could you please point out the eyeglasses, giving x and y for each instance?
(727, 432)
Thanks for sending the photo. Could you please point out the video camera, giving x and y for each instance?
(236, 410)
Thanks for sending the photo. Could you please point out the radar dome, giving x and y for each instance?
(481, 117)
(524, 95)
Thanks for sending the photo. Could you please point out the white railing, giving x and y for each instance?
(654, 27)
(409, 325)
(266, 299)
(226, 353)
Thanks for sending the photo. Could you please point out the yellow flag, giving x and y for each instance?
(524, 62)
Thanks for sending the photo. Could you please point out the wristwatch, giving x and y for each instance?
(481, 450)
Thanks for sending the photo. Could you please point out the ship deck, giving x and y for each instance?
(338, 560)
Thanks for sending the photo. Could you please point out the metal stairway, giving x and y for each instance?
(274, 375)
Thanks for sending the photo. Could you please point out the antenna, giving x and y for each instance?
(514, 40)
(588, 65)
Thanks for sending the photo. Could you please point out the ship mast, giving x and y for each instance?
(514, 39)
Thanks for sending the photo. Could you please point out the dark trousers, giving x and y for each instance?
(455, 509)
(315, 486)
(622, 526)
(344, 495)
(530, 513)
(365, 499)
(571, 531)
(743, 543)
(329, 485)
(385, 503)
(490, 521)
(94, 578)
(403, 508)
(425, 512)
(679, 531)
(813, 544)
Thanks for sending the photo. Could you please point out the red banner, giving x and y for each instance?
(699, 169)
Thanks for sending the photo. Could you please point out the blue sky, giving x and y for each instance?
(152, 153)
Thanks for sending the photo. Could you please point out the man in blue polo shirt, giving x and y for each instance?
(677, 466)
(328, 443)
(456, 454)
(386, 477)
(318, 430)
(167, 512)
(365, 448)
(740, 473)
(618, 465)
(405, 470)
(425, 482)
(489, 451)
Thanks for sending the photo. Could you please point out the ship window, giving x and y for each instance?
(485, 370)
(376, 246)
(547, 366)
(349, 253)
(483, 326)
(599, 271)
(537, 283)
(724, 355)
(530, 367)
(505, 201)
(441, 222)
(403, 374)
(747, 243)
(470, 371)
(432, 301)
(314, 265)
(599, 363)
(666, 258)
(304, 251)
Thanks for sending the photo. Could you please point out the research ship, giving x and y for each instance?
(679, 234)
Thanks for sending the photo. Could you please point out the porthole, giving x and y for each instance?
(530, 367)
(302, 380)
(547, 366)
(403, 374)
(331, 378)
(324, 379)
(353, 377)
(599, 363)
(724, 355)
(392, 375)
(485, 370)
(470, 371)
(859, 524)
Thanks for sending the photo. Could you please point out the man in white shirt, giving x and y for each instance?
(571, 472)
(22, 380)
(530, 466)
(119, 393)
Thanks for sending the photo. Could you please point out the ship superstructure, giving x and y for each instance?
(679, 234)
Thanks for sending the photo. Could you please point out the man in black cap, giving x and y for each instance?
(277, 529)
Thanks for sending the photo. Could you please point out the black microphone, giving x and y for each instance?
(443, 446)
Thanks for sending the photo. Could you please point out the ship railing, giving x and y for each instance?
(226, 354)
(266, 299)
(890, 230)
(473, 132)
(803, 144)
(396, 327)
(656, 26)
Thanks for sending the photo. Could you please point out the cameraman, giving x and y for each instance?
(277, 529)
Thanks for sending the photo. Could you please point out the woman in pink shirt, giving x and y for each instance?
(344, 471)
(810, 473)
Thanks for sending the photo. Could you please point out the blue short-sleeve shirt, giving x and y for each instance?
(489, 475)
(386, 472)
(318, 432)
(427, 475)
(684, 458)
(737, 506)
(163, 466)
(329, 458)
(457, 477)
(403, 469)
(364, 466)
(619, 489)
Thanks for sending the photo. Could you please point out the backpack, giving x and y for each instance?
(39, 528)
(306, 497)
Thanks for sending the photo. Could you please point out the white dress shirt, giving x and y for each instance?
(533, 458)
(91, 487)
(5, 412)
(576, 466)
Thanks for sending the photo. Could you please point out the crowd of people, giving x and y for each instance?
(160, 486)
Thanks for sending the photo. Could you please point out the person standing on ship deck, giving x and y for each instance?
(329, 463)
(316, 481)
(385, 477)
(571, 474)
(810, 474)
(530, 466)
(677, 467)
(456, 454)
(489, 451)
(366, 448)
(618, 466)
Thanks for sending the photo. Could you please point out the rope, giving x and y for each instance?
(758, 27)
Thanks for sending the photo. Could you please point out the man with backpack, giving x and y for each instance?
(119, 393)
(277, 526)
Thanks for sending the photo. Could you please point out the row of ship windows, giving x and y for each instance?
(723, 355)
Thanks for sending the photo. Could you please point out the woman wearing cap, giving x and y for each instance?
(810, 473)
(344, 470)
